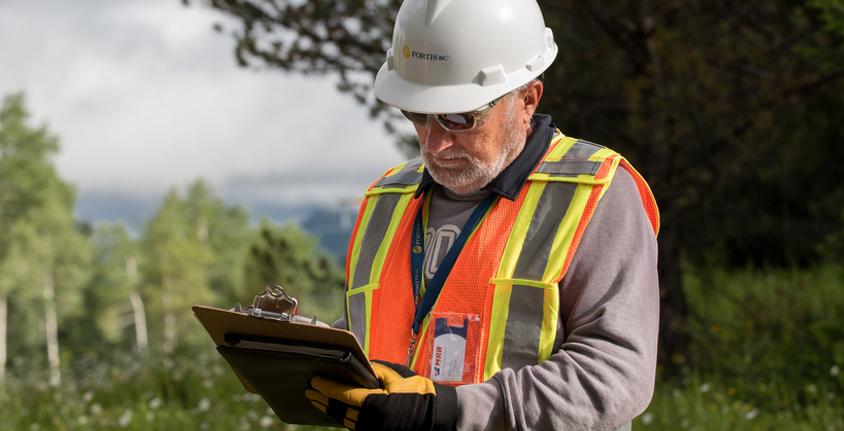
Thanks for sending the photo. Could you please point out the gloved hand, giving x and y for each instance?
(407, 401)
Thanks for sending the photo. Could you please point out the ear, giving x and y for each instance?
(530, 98)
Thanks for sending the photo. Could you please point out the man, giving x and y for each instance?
(507, 280)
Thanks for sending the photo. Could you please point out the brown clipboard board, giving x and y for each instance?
(221, 324)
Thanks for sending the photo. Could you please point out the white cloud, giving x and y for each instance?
(145, 96)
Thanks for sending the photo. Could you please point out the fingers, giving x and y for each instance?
(333, 408)
(385, 373)
(401, 369)
(317, 397)
(346, 394)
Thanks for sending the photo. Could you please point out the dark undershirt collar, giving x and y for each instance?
(509, 182)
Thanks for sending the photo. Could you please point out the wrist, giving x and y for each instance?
(445, 408)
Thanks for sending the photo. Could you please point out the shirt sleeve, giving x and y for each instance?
(602, 375)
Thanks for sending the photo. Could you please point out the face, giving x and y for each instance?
(465, 162)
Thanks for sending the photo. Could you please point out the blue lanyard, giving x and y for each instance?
(417, 260)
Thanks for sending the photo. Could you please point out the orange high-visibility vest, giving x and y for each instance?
(507, 273)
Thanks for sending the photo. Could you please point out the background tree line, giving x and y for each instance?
(731, 110)
(71, 292)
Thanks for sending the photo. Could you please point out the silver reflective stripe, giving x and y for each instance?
(373, 235)
(409, 175)
(582, 150)
(552, 206)
(569, 168)
(524, 324)
(574, 162)
(357, 314)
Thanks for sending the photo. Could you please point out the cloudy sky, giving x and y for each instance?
(145, 96)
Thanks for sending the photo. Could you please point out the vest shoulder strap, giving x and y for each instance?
(402, 178)
(576, 161)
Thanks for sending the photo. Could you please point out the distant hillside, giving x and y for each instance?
(331, 225)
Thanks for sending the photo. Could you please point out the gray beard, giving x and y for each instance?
(478, 174)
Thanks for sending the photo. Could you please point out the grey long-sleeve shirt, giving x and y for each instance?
(602, 372)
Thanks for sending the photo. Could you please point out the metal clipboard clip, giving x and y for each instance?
(275, 304)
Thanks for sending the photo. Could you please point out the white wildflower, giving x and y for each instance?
(204, 405)
(265, 422)
(833, 370)
(96, 409)
(88, 396)
(154, 403)
(704, 388)
(647, 419)
(124, 419)
(750, 415)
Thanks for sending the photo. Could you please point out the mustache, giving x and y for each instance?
(449, 153)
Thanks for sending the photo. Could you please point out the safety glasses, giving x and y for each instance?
(459, 122)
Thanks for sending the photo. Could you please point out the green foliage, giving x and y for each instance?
(26, 173)
(767, 352)
(713, 405)
(289, 257)
(778, 323)
(45, 260)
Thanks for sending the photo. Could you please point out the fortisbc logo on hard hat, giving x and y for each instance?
(407, 53)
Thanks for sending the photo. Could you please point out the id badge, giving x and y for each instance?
(454, 349)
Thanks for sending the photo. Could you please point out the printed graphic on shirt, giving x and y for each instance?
(437, 244)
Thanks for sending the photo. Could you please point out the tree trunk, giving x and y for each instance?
(3, 319)
(169, 344)
(138, 311)
(51, 328)
(674, 311)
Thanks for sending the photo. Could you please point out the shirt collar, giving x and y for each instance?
(509, 182)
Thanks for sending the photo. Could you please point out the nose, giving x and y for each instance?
(435, 139)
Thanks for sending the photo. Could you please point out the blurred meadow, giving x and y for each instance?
(732, 112)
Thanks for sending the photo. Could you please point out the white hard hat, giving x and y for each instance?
(453, 56)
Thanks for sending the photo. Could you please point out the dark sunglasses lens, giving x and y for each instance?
(415, 117)
(463, 121)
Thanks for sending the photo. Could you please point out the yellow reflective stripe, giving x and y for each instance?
(497, 326)
(378, 261)
(565, 232)
(381, 191)
(550, 315)
(501, 296)
(580, 179)
(601, 154)
(523, 282)
(562, 148)
(610, 175)
(396, 169)
(520, 227)
(366, 291)
(362, 227)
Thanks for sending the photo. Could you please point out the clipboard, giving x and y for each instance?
(276, 359)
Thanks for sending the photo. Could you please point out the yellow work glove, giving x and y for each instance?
(406, 402)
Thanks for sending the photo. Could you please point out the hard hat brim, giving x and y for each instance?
(395, 91)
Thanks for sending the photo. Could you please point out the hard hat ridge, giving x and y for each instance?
(435, 7)
(452, 56)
